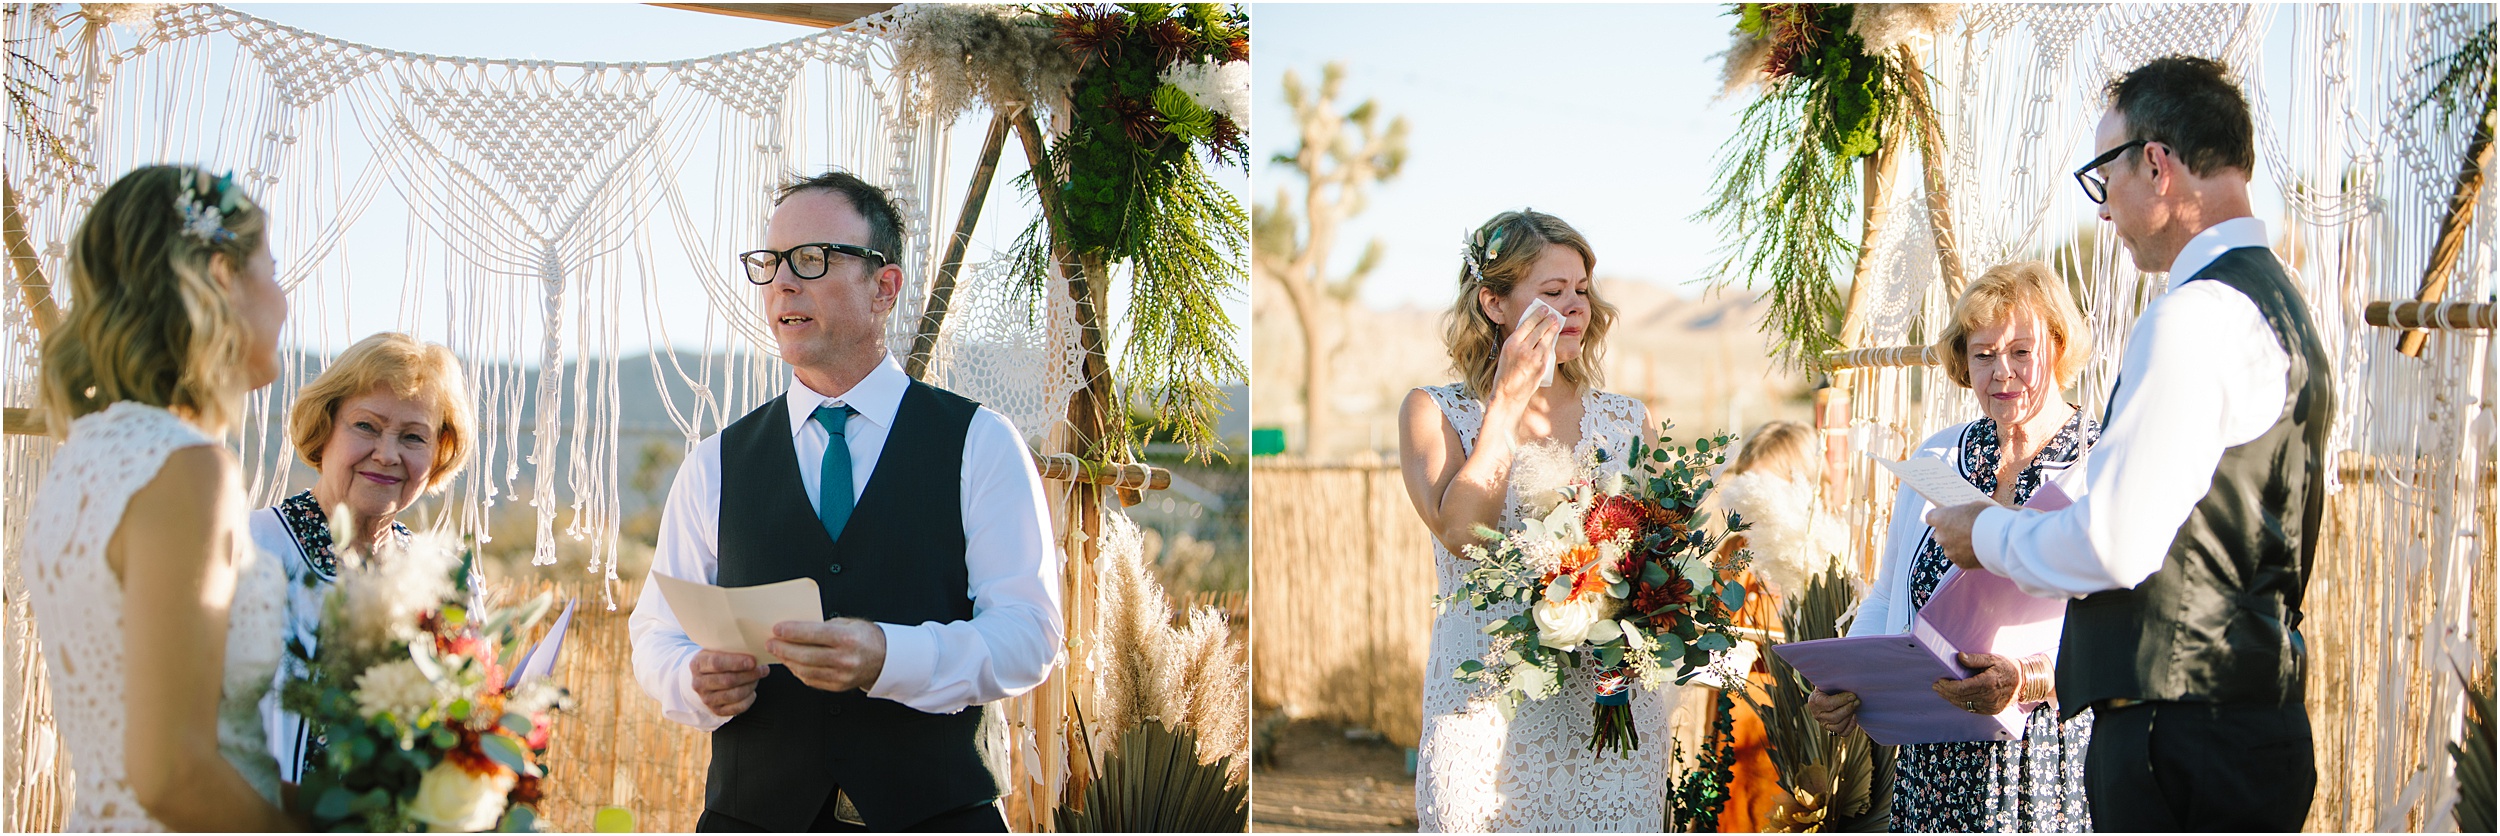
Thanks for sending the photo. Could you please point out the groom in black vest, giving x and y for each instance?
(2189, 553)
(918, 514)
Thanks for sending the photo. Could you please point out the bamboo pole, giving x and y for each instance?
(1883, 357)
(942, 290)
(18, 420)
(2478, 157)
(2461, 316)
(30, 279)
(1065, 468)
(1931, 163)
(1082, 536)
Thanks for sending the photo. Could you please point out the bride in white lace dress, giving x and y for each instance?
(1476, 770)
(160, 620)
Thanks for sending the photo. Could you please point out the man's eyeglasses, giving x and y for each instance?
(2095, 186)
(807, 261)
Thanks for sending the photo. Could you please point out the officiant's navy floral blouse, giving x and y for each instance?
(2030, 785)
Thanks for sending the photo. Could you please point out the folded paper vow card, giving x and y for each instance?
(1894, 676)
(1933, 479)
(739, 619)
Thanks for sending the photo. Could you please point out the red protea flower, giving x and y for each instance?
(1612, 515)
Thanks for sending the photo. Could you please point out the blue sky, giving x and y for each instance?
(1600, 114)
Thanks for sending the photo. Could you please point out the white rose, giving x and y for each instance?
(453, 799)
(1563, 625)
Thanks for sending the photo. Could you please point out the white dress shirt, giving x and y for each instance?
(2202, 373)
(1012, 565)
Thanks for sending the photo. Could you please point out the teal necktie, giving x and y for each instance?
(833, 487)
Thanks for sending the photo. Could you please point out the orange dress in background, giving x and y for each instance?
(1755, 787)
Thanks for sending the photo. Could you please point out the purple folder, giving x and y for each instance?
(1894, 675)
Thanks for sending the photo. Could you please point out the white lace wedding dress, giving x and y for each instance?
(78, 610)
(1534, 772)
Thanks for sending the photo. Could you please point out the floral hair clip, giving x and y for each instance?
(205, 222)
(1489, 243)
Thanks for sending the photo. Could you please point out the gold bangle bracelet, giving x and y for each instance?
(2039, 679)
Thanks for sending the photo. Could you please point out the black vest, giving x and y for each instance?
(2220, 621)
(900, 560)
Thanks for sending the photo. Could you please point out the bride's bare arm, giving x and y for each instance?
(1453, 491)
(174, 553)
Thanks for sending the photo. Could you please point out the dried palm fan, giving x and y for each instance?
(1836, 783)
(2476, 809)
(1153, 783)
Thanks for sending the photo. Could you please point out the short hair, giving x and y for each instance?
(1782, 448)
(1999, 295)
(147, 320)
(2191, 105)
(885, 224)
(407, 368)
(1505, 247)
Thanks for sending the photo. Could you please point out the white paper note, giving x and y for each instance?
(1933, 479)
(739, 619)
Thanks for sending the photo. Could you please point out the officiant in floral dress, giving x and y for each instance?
(2015, 339)
(390, 420)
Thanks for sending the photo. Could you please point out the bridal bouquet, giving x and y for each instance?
(419, 689)
(1614, 572)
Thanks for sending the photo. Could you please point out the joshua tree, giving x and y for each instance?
(1340, 156)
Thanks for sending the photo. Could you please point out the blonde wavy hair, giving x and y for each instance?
(148, 323)
(407, 368)
(2005, 291)
(1783, 448)
(1497, 257)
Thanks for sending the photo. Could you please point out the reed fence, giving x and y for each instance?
(1342, 571)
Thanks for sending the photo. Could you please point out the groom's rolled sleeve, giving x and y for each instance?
(663, 655)
(1012, 573)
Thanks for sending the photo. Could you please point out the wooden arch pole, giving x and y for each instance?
(2469, 191)
(942, 289)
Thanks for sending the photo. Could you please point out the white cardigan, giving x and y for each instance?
(1886, 609)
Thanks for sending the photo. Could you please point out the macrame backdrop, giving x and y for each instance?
(549, 202)
(2391, 607)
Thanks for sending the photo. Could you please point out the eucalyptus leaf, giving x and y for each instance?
(507, 750)
(334, 803)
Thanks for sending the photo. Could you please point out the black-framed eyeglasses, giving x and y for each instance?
(2096, 186)
(807, 261)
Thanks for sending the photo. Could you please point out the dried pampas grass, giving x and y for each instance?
(1192, 676)
(1887, 25)
(1791, 539)
(997, 56)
